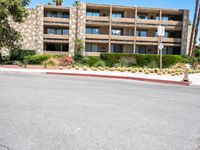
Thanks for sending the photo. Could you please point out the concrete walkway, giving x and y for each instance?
(167, 79)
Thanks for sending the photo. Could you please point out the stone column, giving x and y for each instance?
(80, 28)
(39, 29)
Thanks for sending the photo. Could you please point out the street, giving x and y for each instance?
(49, 112)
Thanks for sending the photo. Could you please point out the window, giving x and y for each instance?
(117, 14)
(93, 13)
(59, 15)
(57, 31)
(142, 33)
(116, 48)
(166, 18)
(53, 14)
(57, 47)
(49, 31)
(65, 32)
(116, 31)
(92, 30)
(92, 47)
(143, 16)
(48, 14)
(167, 50)
(157, 17)
(65, 15)
(166, 34)
(141, 49)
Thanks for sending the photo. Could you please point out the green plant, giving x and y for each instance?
(92, 61)
(19, 54)
(36, 59)
(197, 52)
(65, 61)
(51, 62)
(78, 50)
(150, 60)
(58, 2)
(1, 60)
(126, 62)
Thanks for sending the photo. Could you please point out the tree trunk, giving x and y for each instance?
(196, 33)
(193, 27)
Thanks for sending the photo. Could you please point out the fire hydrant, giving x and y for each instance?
(186, 72)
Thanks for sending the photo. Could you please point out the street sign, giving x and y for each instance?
(160, 46)
(161, 31)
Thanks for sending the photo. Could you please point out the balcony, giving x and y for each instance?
(97, 36)
(124, 20)
(155, 39)
(122, 37)
(172, 23)
(54, 38)
(95, 18)
(56, 21)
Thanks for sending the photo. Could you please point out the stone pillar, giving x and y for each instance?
(39, 29)
(184, 42)
(80, 28)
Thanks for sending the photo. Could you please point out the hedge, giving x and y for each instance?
(39, 59)
(142, 59)
(91, 60)
(19, 54)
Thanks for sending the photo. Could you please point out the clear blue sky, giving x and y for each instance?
(180, 4)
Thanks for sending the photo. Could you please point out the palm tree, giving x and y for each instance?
(58, 2)
(193, 27)
(76, 4)
(196, 33)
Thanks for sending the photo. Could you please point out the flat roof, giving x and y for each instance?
(133, 7)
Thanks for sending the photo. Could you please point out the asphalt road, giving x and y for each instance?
(41, 112)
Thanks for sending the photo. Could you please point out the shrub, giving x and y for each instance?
(65, 61)
(92, 61)
(1, 60)
(19, 54)
(36, 59)
(142, 60)
(51, 62)
(126, 61)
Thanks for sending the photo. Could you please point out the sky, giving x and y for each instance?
(176, 4)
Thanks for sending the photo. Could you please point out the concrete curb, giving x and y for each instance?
(123, 77)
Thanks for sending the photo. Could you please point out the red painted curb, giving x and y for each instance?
(123, 77)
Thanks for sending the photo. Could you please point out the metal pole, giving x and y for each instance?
(161, 53)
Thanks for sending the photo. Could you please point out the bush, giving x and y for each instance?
(19, 55)
(126, 62)
(51, 62)
(65, 61)
(142, 60)
(1, 60)
(91, 61)
(36, 59)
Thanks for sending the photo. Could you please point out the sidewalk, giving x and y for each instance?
(166, 79)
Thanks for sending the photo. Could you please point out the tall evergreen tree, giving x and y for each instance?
(14, 9)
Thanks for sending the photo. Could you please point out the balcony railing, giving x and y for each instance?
(56, 20)
(56, 36)
(94, 18)
(97, 36)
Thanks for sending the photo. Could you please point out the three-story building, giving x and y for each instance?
(105, 29)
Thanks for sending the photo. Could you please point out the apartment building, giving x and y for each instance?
(104, 29)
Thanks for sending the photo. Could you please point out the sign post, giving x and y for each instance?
(161, 33)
